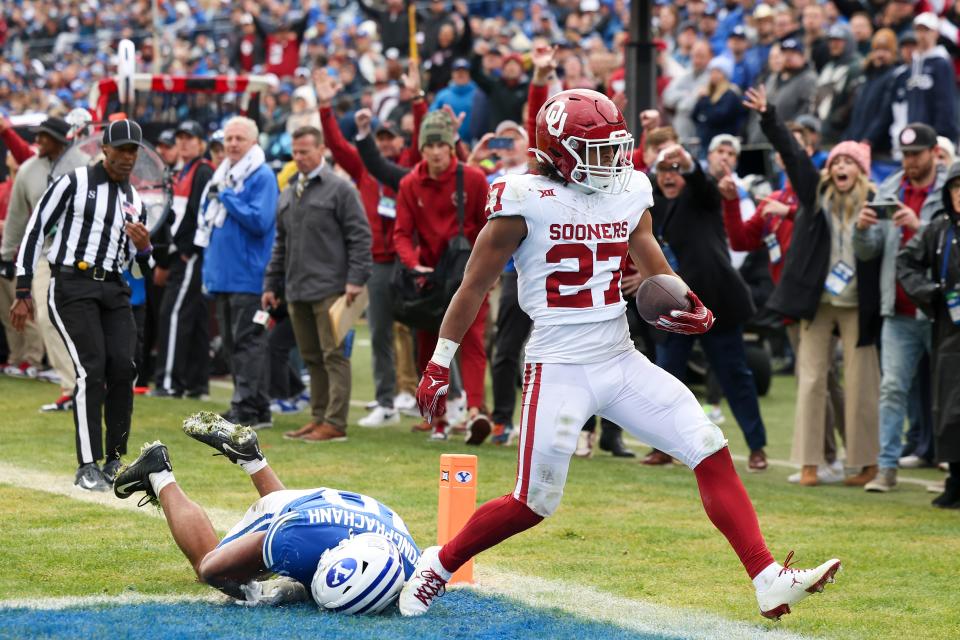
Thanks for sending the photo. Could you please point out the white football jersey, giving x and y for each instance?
(570, 263)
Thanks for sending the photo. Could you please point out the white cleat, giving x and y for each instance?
(789, 586)
(380, 417)
(428, 583)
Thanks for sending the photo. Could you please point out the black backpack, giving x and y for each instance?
(421, 299)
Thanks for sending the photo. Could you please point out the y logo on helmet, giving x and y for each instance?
(556, 118)
(341, 572)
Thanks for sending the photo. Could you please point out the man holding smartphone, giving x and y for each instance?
(905, 202)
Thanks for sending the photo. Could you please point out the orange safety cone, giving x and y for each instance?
(458, 501)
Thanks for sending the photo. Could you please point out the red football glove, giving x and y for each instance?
(432, 391)
(698, 320)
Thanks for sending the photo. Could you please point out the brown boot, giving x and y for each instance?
(302, 431)
(757, 461)
(808, 476)
(325, 432)
(657, 458)
(866, 475)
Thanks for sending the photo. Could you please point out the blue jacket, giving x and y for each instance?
(240, 250)
(460, 99)
(726, 116)
(931, 93)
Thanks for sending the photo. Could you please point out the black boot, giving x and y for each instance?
(950, 498)
(611, 439)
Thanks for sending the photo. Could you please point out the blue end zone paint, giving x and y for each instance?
(459, 614)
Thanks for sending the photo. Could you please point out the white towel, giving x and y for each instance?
(227, 176)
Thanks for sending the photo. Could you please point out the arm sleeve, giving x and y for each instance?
(383, 171)
(744, 236)
(344, 153)
(479, 77)
(404, 228)
(254, 208)
(945, 100)
(357, 235)
(536, 97)
(801, 171)
(419, 110)
(868, 243)
(46, 214)
(703, 189)
(16, 145)
(18, 215)
(273, 275)
(913, 265)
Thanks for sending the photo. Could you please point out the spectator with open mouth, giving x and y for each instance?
(827, 288)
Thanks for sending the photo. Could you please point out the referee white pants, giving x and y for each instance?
(645, 400)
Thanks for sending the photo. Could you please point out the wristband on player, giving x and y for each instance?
(443, 354)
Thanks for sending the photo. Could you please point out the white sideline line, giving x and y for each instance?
(583, 601)
(211, 596)
(62, 485)
(596, 605)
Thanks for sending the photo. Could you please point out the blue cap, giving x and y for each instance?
(460, 63)
(791, 44)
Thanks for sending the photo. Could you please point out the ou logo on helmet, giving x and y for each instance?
(341, 572)
(556, 118)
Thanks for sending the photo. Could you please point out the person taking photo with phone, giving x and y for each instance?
(880, 232)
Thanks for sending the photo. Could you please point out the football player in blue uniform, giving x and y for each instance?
(350, 551)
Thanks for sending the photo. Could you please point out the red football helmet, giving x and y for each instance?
(582, 134)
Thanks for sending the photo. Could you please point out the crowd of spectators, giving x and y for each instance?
(761, 95)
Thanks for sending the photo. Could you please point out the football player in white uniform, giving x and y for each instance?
(569, 230)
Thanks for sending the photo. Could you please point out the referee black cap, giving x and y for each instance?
(191, 128)
(122, 132)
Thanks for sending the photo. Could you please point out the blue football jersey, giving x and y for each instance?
(308, 526)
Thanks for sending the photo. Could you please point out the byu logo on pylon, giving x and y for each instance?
(556, 118)
(464, 477)
(341, 572)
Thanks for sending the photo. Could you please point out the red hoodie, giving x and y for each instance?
(371, 191)
(426, 208)
(749, 235)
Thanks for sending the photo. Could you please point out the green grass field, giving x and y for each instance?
(624, 529)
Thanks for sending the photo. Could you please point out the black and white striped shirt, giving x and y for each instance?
(86, 212)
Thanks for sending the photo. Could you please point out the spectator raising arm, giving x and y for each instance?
(383, 171)
(344, 153)
(801, 171)
(19, 147)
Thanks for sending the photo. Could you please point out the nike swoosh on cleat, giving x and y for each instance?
(86, 483)
(227, 447)
(124, 487)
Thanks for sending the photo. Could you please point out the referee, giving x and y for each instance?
(96, 219)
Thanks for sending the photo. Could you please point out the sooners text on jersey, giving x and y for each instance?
(570, 264)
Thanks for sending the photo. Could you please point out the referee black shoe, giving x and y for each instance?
(89, 478)
(135, 476)
(238, 444)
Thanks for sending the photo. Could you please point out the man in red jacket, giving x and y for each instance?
(427, 209)
(379, 202)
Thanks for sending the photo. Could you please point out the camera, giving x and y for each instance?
(500, 143)
(884, 208)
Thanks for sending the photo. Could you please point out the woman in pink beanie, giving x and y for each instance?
(829, 290)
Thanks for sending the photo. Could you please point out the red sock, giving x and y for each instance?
(729, 508)
(491, 524)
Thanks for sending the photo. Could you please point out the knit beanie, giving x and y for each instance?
(437, 127)
(859, 153)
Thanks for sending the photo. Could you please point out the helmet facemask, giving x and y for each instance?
(603, 166)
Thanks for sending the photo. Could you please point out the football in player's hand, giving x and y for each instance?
(659, 295)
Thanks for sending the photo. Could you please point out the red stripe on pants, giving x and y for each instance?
(530, 432)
